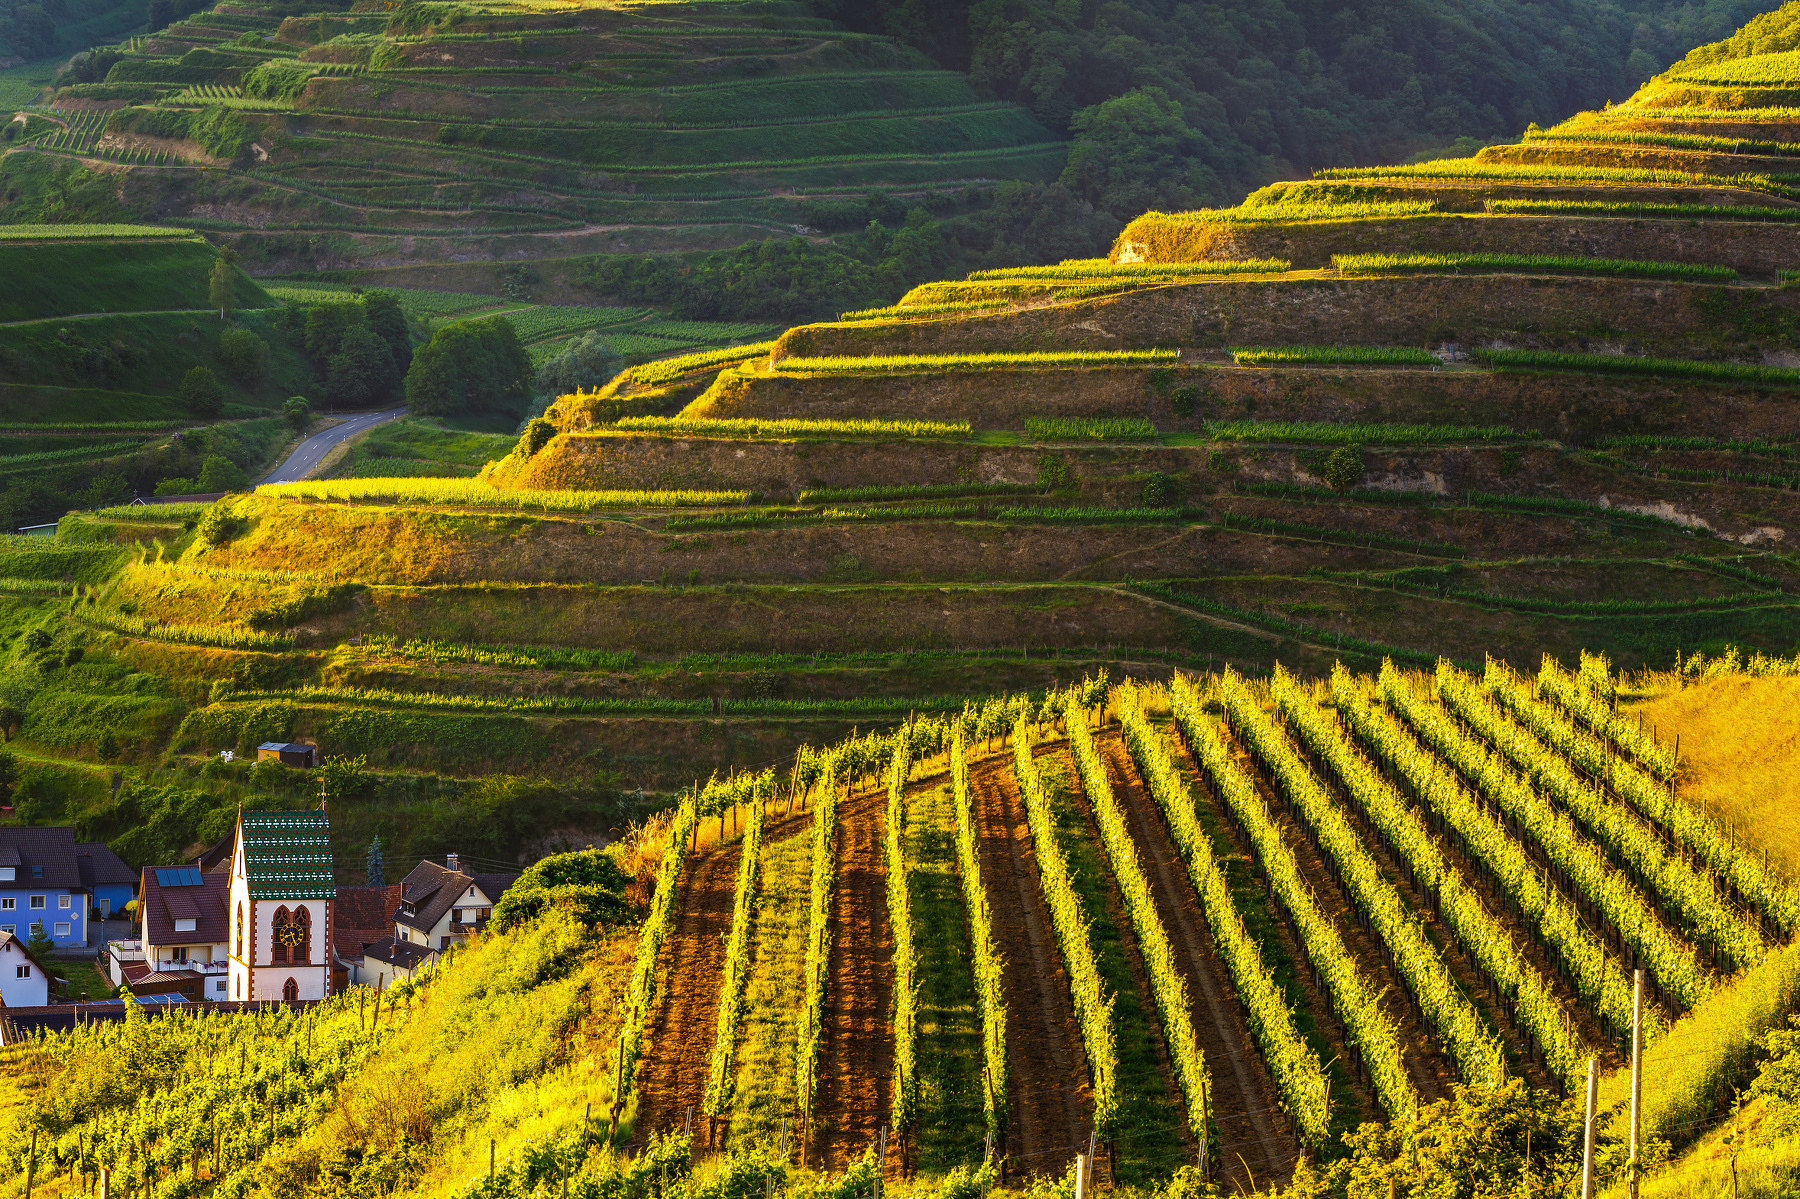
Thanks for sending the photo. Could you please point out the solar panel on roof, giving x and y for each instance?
(178, 876)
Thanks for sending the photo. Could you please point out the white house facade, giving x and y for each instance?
(23, 980)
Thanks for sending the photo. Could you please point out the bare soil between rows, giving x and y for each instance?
(689, 969)
(1255, 1148)
(857, 1050)
(1048, 1092)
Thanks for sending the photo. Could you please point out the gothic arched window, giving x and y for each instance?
(290, 991)
(238, 940)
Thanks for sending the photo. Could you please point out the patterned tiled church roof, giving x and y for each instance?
(287, 855)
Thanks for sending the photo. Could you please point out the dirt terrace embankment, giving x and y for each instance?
(1669, 319)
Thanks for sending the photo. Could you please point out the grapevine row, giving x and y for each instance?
(1595, 674)
(657, 924)
(906, 1017)
(1597, 713)
(1598, 976)
(1371, 1030)
(1689, 828)
(1582, 863)
(1688, 894)
(1305, 1088)
(818, 948)
(1483, 938)
(721, 1086)
(1167, 985)
(1093, 1006)
(1476, 1050)
(990, 999)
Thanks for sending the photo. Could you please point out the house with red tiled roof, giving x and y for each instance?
(184, 936)
(439, 906)
(364, 916)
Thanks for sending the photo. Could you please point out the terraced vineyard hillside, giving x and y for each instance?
(503, 132)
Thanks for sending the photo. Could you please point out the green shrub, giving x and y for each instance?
(589, 883)
(220, 131)
(1344, 467)
(244, 355)
(217, 526)
(201, 394)
(537, 435)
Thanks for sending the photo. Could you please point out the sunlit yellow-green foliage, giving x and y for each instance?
(471, 492)
(976, 362)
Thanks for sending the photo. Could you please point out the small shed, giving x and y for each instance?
(288, 753)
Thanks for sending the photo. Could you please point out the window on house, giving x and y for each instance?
(39, 902)
(9, 905)
(62, 930)
(37, 872)
(9, 928)
(179, 954)
(186, 926)
(62, 901)
(22, 972)
(8, 874)
(219, 986)
(471, 891)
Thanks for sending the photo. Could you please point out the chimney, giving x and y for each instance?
(450, 861)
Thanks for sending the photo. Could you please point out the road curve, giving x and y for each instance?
(312, 451)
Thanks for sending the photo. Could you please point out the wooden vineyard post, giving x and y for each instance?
(1637, 1071)
(490, 1159)
(31, 1164)
(880, 1159)
(1081, 1169)
(1587, 1136)
(105, 1183)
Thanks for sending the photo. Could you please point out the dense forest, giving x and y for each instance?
(1177, 104)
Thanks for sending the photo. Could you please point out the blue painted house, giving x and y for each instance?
(40, 883)
(110, 883)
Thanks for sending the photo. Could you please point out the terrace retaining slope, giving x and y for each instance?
(1668, 319)
(1569, 406)
(1755, 248)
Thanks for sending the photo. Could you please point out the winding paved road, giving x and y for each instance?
(308, 453)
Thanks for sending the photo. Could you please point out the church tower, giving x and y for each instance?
(280, 913)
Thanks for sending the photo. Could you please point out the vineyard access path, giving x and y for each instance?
(1048, 1092)
(688, 970)
(1256, 1149)
(856, 1053)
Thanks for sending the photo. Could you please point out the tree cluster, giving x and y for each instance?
(360, 349)
(1177, 102)
(790, 280)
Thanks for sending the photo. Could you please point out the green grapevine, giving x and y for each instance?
(1598, 976)
(990, 996)
(900, 924)
(1583, 864)
(1305, 1088)
(818, 944)
(1093, 1006)
(1167, 985)
(1487, 941)
(661, 918)
(720, 1083)
(1428, 982)
(1686, 893)
(1372, 1034)
(1690, 827)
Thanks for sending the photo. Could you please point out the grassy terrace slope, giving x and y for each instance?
(507, 132)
